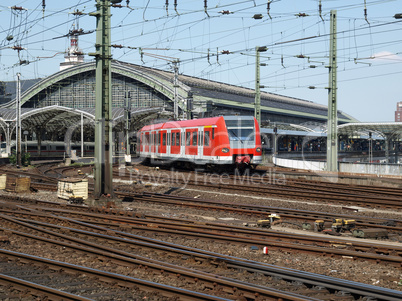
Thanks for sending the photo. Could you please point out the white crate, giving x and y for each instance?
(72, 188)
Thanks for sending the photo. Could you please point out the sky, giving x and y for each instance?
(217, 40)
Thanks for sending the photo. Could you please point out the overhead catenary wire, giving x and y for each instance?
(197, 51)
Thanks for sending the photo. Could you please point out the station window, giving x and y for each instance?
(177, 138)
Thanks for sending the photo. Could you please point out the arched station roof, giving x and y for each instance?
(208, 96)
(55, 118)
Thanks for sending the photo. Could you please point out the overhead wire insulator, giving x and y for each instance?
(206, 7)
(226, 12)
(116, 46)
(226, 52)
(269, 8)
(77, 13)
(365, 12)
(43, 8)
(257, 16)
(167, 7)
(175, 6)
(18, 8)
(302, 15)
(282, 63)
(301, 56)
(18, 48)
(320, 10)
(141, 54)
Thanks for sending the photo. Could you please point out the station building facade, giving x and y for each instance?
(72, 91)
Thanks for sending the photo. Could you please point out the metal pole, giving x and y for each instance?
(18, 121)
(82, 135)
(127, 111)
(8, 143)
(103, 105)
(175, 85)
(332, 133)
(257, 107)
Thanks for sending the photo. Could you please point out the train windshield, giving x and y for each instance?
(240, 130)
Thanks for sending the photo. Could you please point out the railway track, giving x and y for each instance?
(352, 195)
(321, 246)
(94, 238)
(259, 211)
(90, 284)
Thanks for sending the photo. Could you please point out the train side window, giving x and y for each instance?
(164, 139)
(194, 138)
(213, 133)
(177, 138)
(206, 138)
(188, 137)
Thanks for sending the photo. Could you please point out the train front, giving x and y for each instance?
(244, 140)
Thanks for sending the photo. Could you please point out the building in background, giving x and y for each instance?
(398, 112)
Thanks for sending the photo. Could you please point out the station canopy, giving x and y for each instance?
(55, 117)
(383, 129)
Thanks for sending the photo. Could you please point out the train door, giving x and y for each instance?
(191, 142)
(147, 142)
(200, 143)
(207, 141)
(163, 142)
(175, 141)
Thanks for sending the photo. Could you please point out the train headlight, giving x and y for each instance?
(225, 150)
(258, 149)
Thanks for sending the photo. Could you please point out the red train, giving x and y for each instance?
(224, 140)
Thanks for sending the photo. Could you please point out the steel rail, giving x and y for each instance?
(285, 191)
(44, 292)
(206, 227)
(257, 210)
(311, 279)
(233, 285)
(166, 290)
(186, 231)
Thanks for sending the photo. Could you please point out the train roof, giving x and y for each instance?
(192, 122)
(182, 123)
